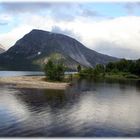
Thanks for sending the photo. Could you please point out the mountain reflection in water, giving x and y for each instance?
(88, 108)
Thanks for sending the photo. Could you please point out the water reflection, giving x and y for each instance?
(89, 108)
(52, 98)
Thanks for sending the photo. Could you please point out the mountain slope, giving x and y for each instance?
(37, 46)
(1, 49)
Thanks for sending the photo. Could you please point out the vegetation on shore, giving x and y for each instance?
(123, 69)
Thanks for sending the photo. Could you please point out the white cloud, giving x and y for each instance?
(119, 34)
(8, 39)
(5, 18)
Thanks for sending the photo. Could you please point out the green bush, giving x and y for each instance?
(89, 73)
(54, 72)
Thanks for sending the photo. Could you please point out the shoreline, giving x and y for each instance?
(35, 82)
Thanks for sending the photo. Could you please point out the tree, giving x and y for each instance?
(54, 72)
(138, 67)
(79, 68)
(110, 66)
(132, 66)
(86, 73)
(99, 70)
(60, 70)
(49, 69)
(122, 65)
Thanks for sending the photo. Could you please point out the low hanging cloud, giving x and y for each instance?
(118, 37)
(113, 50)
(57, 29)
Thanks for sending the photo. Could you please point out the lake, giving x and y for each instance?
(86, 109)
(19, 73)
(25, 73)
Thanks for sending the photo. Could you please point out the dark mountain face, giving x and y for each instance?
(36, 47)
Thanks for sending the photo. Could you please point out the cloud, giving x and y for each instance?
(8, 39)
(57, 29)
(55, 10)
(90, 13)
(19, 7)
(119, 37)
(3, 23)
(113, 50)
(5, 19)
(131, 7)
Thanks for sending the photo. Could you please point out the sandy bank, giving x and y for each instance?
(32, 82)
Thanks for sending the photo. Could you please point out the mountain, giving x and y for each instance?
(34, 49)
(1, 49)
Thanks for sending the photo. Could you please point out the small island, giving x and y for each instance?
(36, 82)
(54, 78)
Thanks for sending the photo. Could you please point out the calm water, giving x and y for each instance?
(19, 73)
(87, 109)
(25, 73)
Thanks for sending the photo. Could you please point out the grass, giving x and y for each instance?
(122, 75)
(113, 75)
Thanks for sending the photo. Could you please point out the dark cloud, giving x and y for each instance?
(58, 11)
(24, 6)
(35, 6)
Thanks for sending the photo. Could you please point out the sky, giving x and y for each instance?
(112, 28)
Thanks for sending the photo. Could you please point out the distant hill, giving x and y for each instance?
(33, 50)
